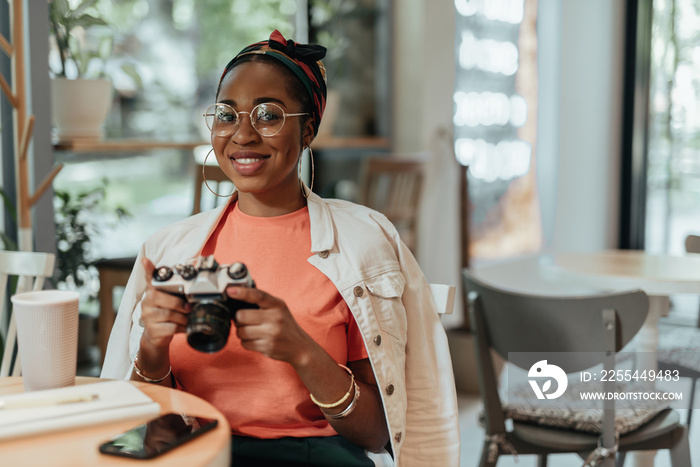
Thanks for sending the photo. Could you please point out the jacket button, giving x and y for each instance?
(378, 340)
(324, 254)
(358, 291)
(141, 323)
(390, 389)
(398, 437)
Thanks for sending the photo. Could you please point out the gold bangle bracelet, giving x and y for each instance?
(348, 410)
(342, 399)
(137, 370)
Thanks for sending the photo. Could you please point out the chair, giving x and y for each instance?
(113, 272)
(214, 176)
(692, 245)
(393, 186)
(30, 269)
(575, 332)
(443, 298)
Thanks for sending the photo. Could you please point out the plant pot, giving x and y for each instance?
(79, 107)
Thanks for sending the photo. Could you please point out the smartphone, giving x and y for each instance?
(157, 436)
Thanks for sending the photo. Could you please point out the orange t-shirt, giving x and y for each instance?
(262, 397)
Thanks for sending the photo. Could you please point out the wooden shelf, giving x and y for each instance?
(351, 142)
(134, 145)
(125, 145)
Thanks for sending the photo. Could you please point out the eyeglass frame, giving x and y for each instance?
(250, 117)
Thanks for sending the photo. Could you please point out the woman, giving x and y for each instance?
(344, 353)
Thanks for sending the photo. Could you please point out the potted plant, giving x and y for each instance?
(81, 93)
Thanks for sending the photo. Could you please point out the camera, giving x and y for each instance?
(203, 283)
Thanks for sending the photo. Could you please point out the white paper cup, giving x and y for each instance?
(47, 337)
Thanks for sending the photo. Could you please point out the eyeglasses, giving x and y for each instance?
(267, 119)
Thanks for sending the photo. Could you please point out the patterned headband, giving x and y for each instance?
(304, 60)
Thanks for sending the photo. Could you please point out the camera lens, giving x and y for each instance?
(208, 326)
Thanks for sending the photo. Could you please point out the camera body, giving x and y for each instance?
(203, 284)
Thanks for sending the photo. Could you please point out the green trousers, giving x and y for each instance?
(331, 451)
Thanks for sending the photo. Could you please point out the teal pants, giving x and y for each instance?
(331, 451)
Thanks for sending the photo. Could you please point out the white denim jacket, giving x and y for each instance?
(359, 250)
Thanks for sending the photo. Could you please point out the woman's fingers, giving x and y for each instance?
(253, 324)
(163, 314)
(271, 329)
(159, 299)
(255, 297)
(149, 267)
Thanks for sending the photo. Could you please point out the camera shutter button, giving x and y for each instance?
(162, 274)
(188, 272)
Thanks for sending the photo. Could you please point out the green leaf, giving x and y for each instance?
(64, 196)
(84, 6)
(8, 243)
(87, 20)
(105, 47)
(8, 204)
(130, 70)
(59, 9)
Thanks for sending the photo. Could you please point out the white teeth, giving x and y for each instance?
(247, 161)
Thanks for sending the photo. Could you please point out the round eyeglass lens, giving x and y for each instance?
(221, 119)
(267, 119)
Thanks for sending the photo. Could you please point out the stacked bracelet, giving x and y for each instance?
(137, 370)
(348, 410)
(342, 399)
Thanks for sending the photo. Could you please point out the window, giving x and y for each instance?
(673, 165)
(495, 125)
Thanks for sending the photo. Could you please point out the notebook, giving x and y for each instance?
(72, 407)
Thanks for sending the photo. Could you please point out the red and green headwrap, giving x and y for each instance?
(304, 60)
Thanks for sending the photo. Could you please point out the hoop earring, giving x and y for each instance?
(204, 178)
(305, 193)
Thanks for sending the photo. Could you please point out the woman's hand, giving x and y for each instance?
(163, 314)
(273, 331)
(270, 330)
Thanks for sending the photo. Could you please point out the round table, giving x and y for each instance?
(657, 275)
(79, 447)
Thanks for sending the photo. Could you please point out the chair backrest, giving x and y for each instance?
(214, 176)
(692, 243)
(443, 298)
(518, 322)
(393, 186)
(30, 270)
(571, 329)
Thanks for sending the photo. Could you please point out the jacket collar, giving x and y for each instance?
(322, 231)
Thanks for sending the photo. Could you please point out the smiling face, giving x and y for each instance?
(264, 169)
